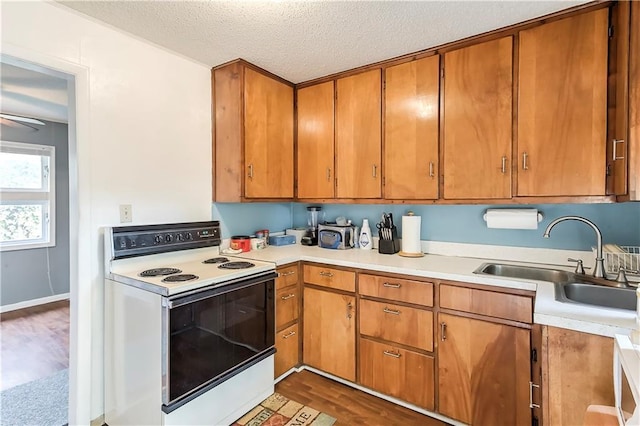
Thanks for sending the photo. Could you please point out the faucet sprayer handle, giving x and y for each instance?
(579, 266)
(622, 276)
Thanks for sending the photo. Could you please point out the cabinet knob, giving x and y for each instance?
(349, 308)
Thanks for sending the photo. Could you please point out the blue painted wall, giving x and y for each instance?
(619, 223)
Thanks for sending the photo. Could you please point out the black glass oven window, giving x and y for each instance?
(212, 336)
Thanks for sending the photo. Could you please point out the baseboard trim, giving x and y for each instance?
(382, 396)
(34, 302)
(98, 421)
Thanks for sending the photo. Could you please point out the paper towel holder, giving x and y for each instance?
(484, 216)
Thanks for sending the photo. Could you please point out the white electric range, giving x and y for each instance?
(189, 335)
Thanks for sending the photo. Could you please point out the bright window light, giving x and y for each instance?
(27, 196)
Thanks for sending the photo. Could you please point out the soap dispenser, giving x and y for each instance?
(365, 236)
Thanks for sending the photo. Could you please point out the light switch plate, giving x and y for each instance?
(125, 213)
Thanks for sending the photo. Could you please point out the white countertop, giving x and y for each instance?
(590, 319)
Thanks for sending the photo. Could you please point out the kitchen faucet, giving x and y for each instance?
(598, 270)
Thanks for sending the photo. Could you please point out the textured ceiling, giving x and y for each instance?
(303, 40)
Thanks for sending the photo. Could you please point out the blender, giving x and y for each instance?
(313, 219)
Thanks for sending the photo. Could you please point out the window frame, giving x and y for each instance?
(44, 196)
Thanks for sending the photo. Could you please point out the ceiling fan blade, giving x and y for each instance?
(22, 119)
(15, 123)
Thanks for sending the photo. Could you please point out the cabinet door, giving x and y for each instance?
(397, 372)
(329, 341)
(484, 372)
(358, 135)
(268, 132)
(286, 350)
(578, 373)
(562, 106)
(477, 120)
(315, 141)
(411, 101)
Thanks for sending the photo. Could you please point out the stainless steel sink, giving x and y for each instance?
(569, 287)
(525, 272)
(589, 294)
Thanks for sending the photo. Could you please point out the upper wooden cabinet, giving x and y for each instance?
(562, 106)
(253, 146)
(316, 170)
(358, 135)
(411, 105)
(477, 120)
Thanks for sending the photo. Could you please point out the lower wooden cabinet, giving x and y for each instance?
(483, 371)
(404, 374)
(287, 343)
(577, 372)
(329, 341)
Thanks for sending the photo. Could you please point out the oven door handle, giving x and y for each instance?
(216, 290)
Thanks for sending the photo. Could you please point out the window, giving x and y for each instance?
(27, 196)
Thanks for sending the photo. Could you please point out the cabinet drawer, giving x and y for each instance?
(400, 324)
(286, 349)
(329, 277)
(396, 289)
(397, 372)
(483, 302)
(287, 305)
(287, 276)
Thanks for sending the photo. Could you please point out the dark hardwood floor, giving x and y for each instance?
(34, 343)
(349, 406)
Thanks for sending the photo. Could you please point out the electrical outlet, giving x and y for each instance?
(125, 213)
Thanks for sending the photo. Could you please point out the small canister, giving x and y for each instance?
(264, 234)
(241, 242)
(257, 244)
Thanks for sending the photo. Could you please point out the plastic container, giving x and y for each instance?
(365, 236)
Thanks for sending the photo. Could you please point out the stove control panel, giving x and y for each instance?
(129, 241)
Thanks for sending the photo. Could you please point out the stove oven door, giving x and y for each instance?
(212, 334)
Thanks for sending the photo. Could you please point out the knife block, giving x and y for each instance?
(389, 246)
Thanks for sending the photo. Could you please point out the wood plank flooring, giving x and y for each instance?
(349, 406)
(34, 343)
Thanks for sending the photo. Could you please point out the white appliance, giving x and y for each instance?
(626, 380)
(189, 334)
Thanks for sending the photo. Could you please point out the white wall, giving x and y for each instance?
(147, 142)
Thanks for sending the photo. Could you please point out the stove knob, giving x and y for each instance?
(168, 238)
(189, 236)
(157, 239)
(180, 237)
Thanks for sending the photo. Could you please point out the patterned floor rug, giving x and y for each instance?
(278, 410)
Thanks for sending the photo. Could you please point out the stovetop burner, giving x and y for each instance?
(236, 265)
(156, 272)
(179, 278)
(216, 260)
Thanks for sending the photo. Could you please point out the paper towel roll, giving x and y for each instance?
(411, 235)
(512, 218)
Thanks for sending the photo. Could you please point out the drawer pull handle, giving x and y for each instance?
(443, 331)
(349, 308)
(531, 386)
(289, 334)
(326, 274)
(391, 311)
(615, 154)
(391, 285)
(288, 296)
(392, 354)
(286, 274)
